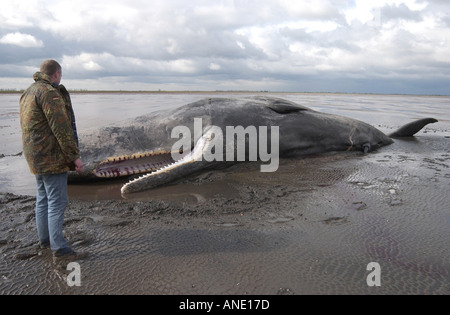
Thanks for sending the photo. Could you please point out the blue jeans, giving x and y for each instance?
(51, 203)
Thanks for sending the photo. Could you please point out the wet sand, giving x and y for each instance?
(310, 228)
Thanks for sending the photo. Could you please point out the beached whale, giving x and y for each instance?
(161, 147)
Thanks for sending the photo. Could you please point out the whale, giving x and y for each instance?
(161, 147)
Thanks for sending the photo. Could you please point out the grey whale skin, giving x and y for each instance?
(142, 147)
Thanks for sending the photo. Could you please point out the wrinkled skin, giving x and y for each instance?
(145, 144)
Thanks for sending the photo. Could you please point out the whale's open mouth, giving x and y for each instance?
(134, 164)
(153, 165)
(170, 168)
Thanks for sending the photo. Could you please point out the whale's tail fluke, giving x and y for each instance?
(412, 128)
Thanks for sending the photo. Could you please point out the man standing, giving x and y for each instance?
(50, 146)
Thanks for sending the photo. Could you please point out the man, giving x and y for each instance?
(50, 146)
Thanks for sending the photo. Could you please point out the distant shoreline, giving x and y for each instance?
(218, 92)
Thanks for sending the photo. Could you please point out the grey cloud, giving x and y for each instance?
(393, 12)
(220, 43)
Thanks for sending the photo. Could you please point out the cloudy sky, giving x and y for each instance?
(365, 46)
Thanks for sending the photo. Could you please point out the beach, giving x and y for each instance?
(313, 227)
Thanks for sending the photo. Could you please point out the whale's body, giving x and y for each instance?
(148, 144)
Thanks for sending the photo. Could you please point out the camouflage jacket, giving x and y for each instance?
(48, 127)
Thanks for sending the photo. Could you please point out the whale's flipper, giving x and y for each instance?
(412, 128)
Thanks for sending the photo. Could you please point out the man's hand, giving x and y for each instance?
(78, 165)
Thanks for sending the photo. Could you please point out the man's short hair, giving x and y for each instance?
(50, 67)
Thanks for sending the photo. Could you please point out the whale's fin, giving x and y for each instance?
(284, 107)
(412, 128)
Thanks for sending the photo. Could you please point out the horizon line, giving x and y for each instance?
(81, 91)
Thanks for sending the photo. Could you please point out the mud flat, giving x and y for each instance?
(313, 227)
(310, 228)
